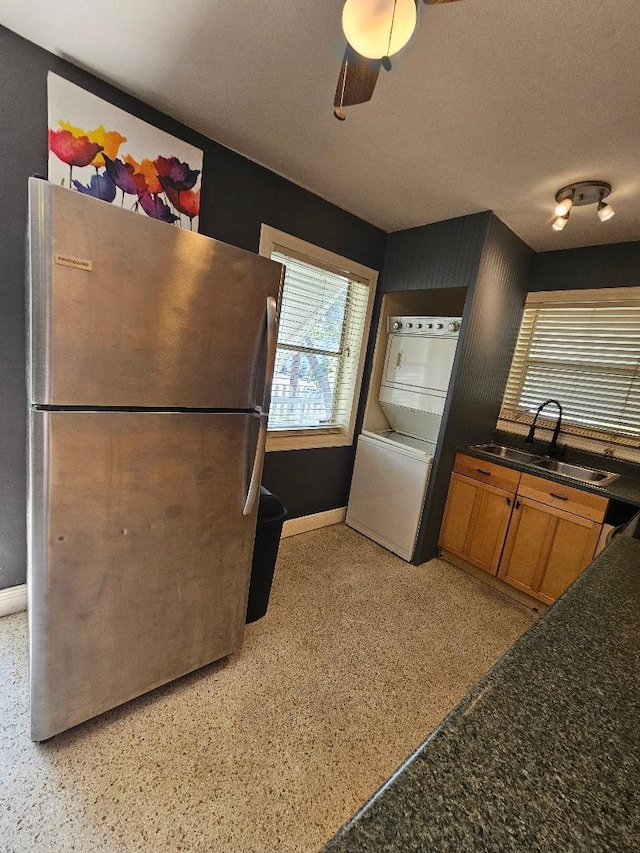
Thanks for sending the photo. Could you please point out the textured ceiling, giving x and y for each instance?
(494, 104)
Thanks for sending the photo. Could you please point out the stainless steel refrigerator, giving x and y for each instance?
(151, 353)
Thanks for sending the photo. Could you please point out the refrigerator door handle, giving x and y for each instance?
(256, 470)
(272, 340)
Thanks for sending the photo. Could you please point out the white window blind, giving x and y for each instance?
(323, 316)
(587, 358)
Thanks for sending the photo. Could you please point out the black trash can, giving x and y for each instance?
(271, 516)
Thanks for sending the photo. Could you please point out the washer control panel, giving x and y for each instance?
(449, 326)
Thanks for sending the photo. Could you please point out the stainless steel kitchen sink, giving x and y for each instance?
(576, 472)
(508, 453)
(572, 472)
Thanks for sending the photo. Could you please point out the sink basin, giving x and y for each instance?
(508, 452)
(573, 472)
(576, 472)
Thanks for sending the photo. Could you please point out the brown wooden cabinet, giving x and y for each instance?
(546, 549)
(535, 534)
(475, 522)
(476, 517)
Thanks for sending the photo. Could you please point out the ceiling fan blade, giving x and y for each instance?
(434, 2)
(357, 79)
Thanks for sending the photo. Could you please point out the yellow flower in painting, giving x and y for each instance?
(110, 140)
(148, 169)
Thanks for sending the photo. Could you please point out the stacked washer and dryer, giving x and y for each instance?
(392, 466)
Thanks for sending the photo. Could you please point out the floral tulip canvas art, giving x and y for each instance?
(102, 151)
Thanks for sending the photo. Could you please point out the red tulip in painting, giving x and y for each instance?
(72, 150)
(185, 201)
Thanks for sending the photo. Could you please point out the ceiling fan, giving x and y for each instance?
(375, 30)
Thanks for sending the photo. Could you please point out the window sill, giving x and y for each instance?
(302, 440)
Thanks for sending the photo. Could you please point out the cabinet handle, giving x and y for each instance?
(482, 471)
(517, 504)
(508, 501)
(558, 497)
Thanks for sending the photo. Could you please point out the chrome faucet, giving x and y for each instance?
(553, 444)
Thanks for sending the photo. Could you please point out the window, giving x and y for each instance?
(325, 313)
(587, 356)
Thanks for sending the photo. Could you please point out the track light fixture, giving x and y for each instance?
(577, 195)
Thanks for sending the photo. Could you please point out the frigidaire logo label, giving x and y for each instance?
(70, 261)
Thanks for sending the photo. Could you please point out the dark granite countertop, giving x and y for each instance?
(543, 753)
(625, 488)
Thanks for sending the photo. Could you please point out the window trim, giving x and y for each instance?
(317, 437)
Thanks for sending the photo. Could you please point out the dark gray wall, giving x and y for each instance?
(445, 254)
(237, 196)
(480, 253)
(492, 316)
(615, 265)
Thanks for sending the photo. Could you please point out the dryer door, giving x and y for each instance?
(420, 363)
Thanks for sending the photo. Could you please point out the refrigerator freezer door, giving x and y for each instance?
(127, 311)
(139, 554)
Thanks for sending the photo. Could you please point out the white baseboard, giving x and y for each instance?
(13, 599)
(312, 522)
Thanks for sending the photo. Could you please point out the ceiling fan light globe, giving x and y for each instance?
(559, 223)
(377, 28)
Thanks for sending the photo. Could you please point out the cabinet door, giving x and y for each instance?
(475, 522)
(546, 549)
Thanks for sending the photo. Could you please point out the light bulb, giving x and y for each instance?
(559, 222)
(563, 207)
(377, 28)
(605, 211)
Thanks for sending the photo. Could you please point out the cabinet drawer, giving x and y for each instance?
(487, 472)
(584, 504)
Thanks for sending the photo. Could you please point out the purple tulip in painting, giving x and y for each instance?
(155, 207)
(121, 159)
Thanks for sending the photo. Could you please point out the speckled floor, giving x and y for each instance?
(359, 657)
